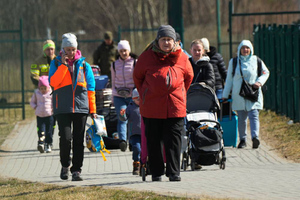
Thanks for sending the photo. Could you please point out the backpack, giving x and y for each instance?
(94, 141)
(259, 70)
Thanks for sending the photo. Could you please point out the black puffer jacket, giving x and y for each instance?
(219, 66)
(203, 71)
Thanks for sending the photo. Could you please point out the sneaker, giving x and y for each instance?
(197, 166)
(156, 178)
(64, 173)
(255, 143)
(76, 176)
(40, 148)
(174, 178)
(136, 168)
(242, 144)
(48, 148)
(123, 145)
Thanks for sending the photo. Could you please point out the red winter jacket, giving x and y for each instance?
(162, 82)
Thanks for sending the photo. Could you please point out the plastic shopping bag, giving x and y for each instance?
(100, 125)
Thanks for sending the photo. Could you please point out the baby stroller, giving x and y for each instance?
(205, 135)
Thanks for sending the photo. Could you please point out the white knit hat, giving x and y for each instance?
(135, 93)
(205, 44)
(124, 44)
(69, 40)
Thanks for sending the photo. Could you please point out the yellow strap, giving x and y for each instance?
(104, 158)
(106, 151)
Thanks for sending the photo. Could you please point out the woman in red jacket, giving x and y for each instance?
(162, 76)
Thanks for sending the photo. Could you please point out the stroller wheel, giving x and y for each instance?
(143, 174)
(143, 171)
(184, 161)
(222, 165)
(184, 165)
(193, 165)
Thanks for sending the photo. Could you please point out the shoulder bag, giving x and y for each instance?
(247, 91)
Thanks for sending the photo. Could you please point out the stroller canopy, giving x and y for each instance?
(202, 97)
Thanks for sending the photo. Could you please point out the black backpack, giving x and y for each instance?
(259, 70)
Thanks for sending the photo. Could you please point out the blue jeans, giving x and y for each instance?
(135, 141)
(45, 124)
(254, 123)
(219, 93)
(120, 103)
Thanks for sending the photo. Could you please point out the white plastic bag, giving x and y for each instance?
(100, 125)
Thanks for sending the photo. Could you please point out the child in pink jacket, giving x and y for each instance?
(41, 101)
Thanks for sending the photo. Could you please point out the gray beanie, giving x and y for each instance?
(166, 31)
(69, 40)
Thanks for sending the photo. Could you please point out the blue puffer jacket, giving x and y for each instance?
(249, 69)
(134, 118)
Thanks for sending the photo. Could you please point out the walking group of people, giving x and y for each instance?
(149, 93)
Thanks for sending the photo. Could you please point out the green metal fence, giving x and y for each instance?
(13, 86)
(278, 46)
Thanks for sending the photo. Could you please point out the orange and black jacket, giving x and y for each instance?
(72, 93)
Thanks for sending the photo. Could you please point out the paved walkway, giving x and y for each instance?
(249, 174)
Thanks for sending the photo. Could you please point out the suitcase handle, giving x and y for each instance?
(230, 109)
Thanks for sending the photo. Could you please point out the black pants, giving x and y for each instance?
(66, 122)
(165, 132)
(45, 125)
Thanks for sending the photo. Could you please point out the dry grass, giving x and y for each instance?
(281, 136)
(16, 189)
(9, 118)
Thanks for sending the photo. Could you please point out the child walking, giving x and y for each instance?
(41, 101)
(132, 114)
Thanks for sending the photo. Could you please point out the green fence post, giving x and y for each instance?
(22, 69)
(219, 26)
(230, 28)
(296, 65)
(279, 108)
(289, 73)
(271, 83)
(119, 33)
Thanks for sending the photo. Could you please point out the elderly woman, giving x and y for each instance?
(162, 76)
(248, 65)
(73, 99)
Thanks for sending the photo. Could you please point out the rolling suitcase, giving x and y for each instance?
(229, 124)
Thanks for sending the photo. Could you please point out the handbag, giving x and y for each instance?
(123, 91)
(247, 91)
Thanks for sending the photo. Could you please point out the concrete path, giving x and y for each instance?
(249, 174)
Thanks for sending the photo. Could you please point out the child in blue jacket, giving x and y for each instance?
(132, 114)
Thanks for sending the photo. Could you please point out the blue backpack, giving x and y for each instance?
(94, 142)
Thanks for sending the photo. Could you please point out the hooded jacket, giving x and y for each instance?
(134, 118)
(203, 71)
(42, 103)
(74, 86)
(249, 68)
(162, 82)
(218, 64)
